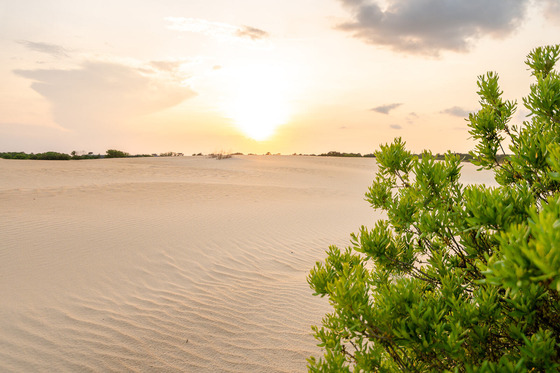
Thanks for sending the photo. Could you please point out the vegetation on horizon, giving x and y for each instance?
(338, 154)
(220, 155)
(464, 157)
(456, 278)
(111, 153)
(54, 156)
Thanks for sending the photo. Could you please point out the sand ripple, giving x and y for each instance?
(186, 264)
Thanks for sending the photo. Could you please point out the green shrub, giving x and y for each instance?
(460, 279)
(52, 156)
(113, 153)
(14, 155)
(339, 154)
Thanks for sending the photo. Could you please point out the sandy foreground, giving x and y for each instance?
(170, 264)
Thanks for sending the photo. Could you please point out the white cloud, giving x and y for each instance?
(222, 32)
(99, 96)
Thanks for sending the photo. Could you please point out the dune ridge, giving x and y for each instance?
(180, 264)
(169, 264)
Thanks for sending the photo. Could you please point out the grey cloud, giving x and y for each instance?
(456, 111)
(411, 117)
(396, 126)
(99, 96)
(385, 109)
(52, 49)
(431, 26)
(354, 2)
(251, 33)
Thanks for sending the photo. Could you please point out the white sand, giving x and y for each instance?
(169, 264)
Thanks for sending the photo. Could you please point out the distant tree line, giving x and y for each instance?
(464, 157)
(339, 154)
(40, 156)
(114, 153)
(56, 156)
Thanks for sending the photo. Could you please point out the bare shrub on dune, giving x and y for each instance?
(220, 155)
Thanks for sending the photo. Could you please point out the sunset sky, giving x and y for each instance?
(305, 76)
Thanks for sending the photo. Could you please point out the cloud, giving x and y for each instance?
(385, 109)
(412, 116)
(251, 33)
(431, 26)
(99, 96)
(177, 71)
(456, 111)
(51, 49)
(222, 32)
(167, 66)
(396, 126)
(552, 10)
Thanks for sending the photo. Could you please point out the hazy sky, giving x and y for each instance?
(302, 76)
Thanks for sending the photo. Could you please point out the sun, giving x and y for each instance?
(259, 100)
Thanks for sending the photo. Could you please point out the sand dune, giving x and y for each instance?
(169, 264)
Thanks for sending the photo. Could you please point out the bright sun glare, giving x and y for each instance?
(259, 100)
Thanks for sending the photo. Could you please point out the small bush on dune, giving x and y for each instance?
(220, 155)
(339, 154)
(52, 156)
(456, 279)
(113, 153)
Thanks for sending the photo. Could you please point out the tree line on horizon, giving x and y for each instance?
(114, 153)
(464, 157)
(57, 156)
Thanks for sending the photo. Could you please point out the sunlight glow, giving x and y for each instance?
(259, 101)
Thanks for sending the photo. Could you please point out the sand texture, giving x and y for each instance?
(169, 264)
